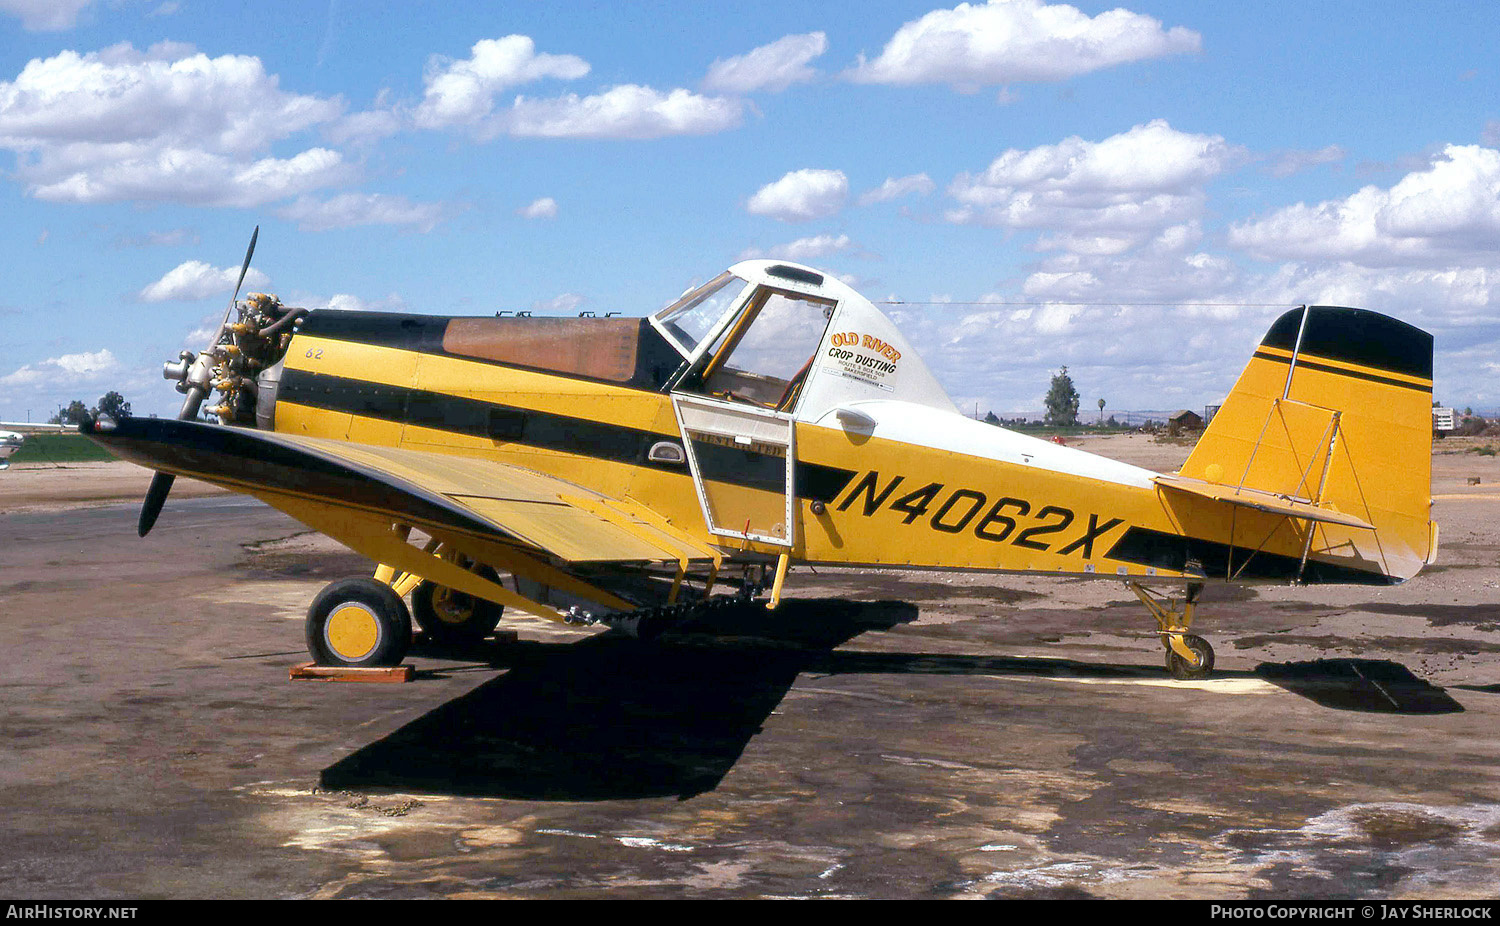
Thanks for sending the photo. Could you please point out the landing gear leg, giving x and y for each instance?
(1188, 656)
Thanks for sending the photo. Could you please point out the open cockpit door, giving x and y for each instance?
(735, 397)
(743, 463)
(765, 344)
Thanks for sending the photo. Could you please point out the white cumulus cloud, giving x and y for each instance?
(1117, 191)
(465, 95)
(561, 304)
(189, 177)
(543, 208)
(1287, 163)
(1003, 41)
(897, 187)
(803, 249)
(45, 15)
(1443, 215)
(168, 124)
(348, 210)
(463, 92)
(68, 369)
(344, 302)
(628, 111)
(193, 280)
(773, 67)
(802, 195)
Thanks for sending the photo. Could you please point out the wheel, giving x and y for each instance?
(358, 622)
(448, 616)
(1181, 669)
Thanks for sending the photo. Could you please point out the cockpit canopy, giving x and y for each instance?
(789, 338)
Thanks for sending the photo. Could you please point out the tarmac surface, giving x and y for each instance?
(911, 735)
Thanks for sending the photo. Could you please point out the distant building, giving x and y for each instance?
(1184, 420)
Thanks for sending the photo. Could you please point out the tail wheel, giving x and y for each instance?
(358, 622)
(449, 616)
(1202, 665)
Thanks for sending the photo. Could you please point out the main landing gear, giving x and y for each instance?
(363, 622)
(1188, 656)
(449, 616)
(358, 623)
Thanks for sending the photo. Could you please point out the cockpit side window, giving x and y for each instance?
(766, 355)
(695, 316)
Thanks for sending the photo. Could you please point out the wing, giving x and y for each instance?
(480, 498)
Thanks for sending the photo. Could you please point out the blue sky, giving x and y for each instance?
(1135, 192)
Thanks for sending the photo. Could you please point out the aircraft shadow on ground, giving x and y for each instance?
(1378, 686)
(609, 718)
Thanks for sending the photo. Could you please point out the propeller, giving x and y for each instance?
(195, 378)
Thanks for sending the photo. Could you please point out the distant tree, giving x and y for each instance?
(1101, 411)
(1468, 411)
(1472, 426)
(113, 405)
(1112, 422)
(73, 414)
(1062, 400)
(991, 418)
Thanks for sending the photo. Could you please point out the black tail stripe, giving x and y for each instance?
(1304, 361)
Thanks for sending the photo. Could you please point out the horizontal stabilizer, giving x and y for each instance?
(1261, 501)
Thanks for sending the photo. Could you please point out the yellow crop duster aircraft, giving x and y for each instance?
(620, 469)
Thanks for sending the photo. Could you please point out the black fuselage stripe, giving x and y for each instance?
(545, 430)
(1146, 547)
(1340, 371)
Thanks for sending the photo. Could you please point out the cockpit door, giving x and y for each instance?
(743, 461)
(735, 404)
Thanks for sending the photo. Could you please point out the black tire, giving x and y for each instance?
(358, 622)
(448, 616)
(1181, 669)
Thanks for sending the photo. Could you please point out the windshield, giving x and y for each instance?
(691, 319)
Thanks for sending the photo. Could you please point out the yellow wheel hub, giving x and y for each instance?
(353, 630)
(452, 607)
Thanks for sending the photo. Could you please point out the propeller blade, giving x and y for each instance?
(161, 483)
(156, 496)
(244, 269)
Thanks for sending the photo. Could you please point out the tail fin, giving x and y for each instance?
(1335, 408)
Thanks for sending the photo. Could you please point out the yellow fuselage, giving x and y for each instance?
(860, 499)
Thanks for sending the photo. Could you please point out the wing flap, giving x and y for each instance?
(412, 486)
(563, 530)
